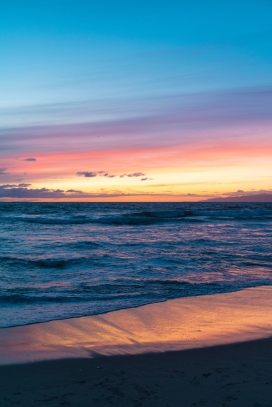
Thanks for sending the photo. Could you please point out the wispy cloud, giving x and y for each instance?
(183, 118)
(3, 171)
(146, 179)
(87, 174)
(75, 191)
(191, 135)
(92, 174)
(24, 185)
(135, 174)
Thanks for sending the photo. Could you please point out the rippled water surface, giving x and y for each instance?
(61, 260)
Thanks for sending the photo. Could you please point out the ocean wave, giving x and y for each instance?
(108, 292)
(123, 219)
(150, 217)
(47, 220)
(81, 244)
(245, 213)
(127, 297)
(42, 263)
(65, 260)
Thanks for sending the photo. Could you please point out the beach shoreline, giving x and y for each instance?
(178, 324)
(197, 351)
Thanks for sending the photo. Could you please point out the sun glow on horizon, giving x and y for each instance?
(135, 103)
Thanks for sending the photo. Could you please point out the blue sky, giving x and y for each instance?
(75, 62)
(64, 46)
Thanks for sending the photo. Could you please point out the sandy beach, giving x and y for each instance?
(199, 351)
(230, 375)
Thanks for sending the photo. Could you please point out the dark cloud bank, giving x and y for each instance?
(21, 191)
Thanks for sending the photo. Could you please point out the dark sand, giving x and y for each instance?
(198, 351)
(229, 375)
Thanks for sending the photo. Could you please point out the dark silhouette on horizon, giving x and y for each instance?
(243, 198)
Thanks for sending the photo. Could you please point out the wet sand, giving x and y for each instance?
(198, 351)
(184, 323)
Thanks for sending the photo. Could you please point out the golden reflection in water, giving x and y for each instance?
(173, 325)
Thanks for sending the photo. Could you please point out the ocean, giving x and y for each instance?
(63, 260)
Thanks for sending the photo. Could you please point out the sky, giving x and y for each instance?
(135, 100)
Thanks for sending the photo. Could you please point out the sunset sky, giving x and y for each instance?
(135, 100)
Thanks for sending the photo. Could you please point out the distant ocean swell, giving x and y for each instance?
(68, 260)
(148, 217)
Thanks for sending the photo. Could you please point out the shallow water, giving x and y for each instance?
(61, 260)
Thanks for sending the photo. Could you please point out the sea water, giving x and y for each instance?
(62, 260)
